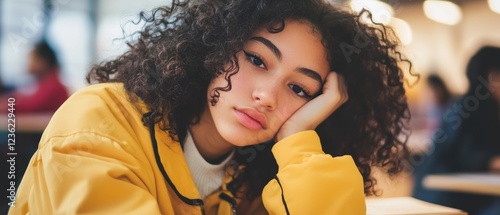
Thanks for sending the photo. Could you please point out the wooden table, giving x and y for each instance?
(407, 206)
(477, 183)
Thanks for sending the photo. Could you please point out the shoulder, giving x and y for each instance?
(102, 92)
(103, 101)
(97, 99)
(101, 109)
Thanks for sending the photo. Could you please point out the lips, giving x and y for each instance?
(251, 118)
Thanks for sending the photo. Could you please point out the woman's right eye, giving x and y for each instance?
(254, 60)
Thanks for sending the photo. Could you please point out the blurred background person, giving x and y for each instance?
(439, 97)
(47, 93)
(44, 96)
(470, 137)
(427, 110)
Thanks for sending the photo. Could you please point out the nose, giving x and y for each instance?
(266, 95)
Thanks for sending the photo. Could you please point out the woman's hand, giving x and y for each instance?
(309, 116)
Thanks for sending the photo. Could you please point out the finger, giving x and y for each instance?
(336, 89)
(342, 89)
(333, 96)
(309, 116)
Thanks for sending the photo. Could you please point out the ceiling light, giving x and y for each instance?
(444, 12)
(494, 5)
(402, 30)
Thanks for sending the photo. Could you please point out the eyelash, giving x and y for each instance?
(306, 95)
(252, 57)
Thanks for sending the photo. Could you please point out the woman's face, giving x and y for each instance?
(36, 64)
(278, 73)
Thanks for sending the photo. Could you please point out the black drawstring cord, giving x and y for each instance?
(230, 200)
(193, 202)
(282, 195)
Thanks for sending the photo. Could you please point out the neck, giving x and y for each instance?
(212, 147)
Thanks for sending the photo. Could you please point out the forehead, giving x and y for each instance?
(294, 26)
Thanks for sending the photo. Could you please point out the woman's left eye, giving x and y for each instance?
(254, 60)
(299, 91)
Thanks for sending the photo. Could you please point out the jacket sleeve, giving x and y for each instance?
(312, 182)
(85, 174)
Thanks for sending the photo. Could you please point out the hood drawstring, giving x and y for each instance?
(193, 202)
(230, 200)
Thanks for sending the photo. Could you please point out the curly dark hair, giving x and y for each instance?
(182, 47)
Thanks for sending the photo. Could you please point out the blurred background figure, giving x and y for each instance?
(47, 93)
(427, 109)
(469, 137)
(440, 98)
(43, 97)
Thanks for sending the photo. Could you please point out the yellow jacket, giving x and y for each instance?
(96, 157)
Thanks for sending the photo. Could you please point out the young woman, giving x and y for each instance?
(224, 107)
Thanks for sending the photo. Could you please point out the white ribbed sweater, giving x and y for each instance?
(207, 177)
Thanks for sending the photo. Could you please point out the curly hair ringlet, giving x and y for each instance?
(182, 47)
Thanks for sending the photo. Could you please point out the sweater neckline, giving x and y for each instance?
(207, 177)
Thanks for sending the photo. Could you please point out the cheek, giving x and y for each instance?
(221, 82)
(241, 77)
(288, 110)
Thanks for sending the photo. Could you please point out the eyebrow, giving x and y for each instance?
(308, 72)
(311, 73)
(269, 45)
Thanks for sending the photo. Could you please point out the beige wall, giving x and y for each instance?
(446, 49)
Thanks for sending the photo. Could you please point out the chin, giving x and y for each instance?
(242, 138)
(238, 141)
